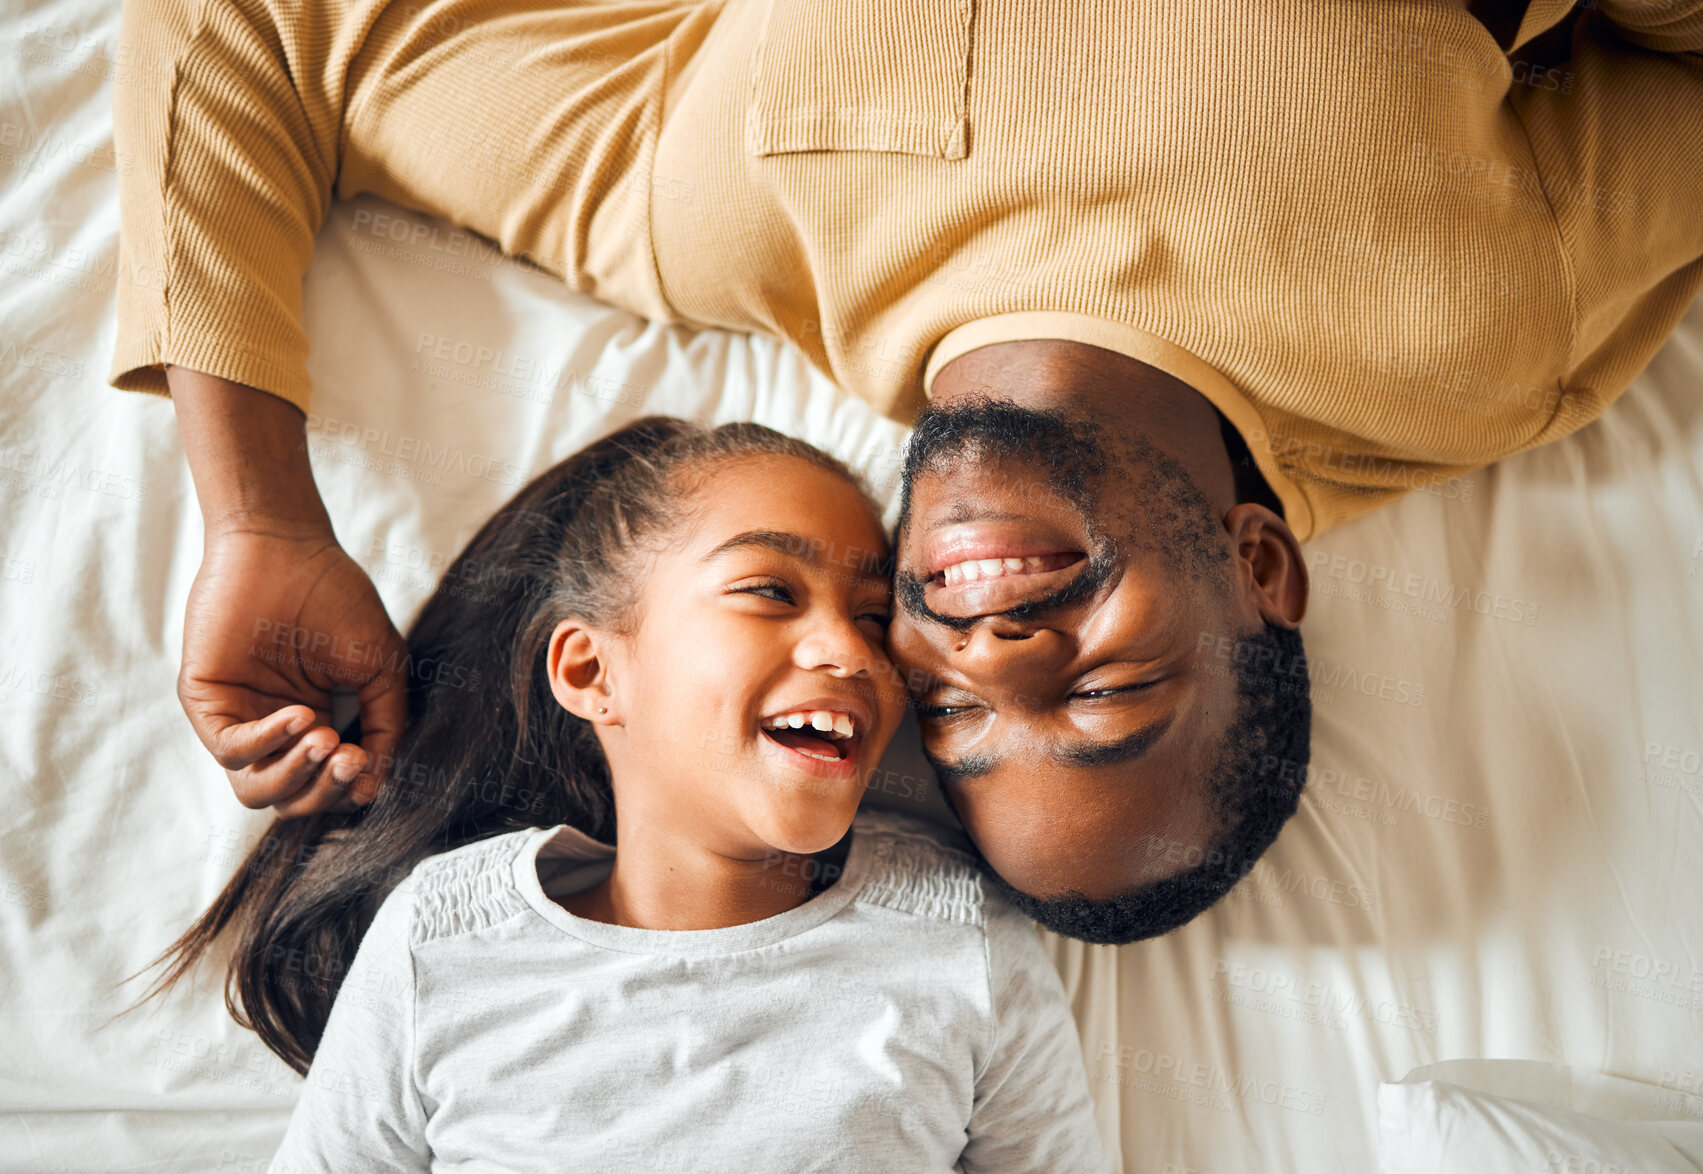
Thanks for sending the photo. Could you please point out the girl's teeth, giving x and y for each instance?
(824, 721)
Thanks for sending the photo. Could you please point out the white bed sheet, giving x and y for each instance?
(1498, 856)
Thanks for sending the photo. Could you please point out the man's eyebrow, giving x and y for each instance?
(1128, 748)
(813, 552)
(965, 769)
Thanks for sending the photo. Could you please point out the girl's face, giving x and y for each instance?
(752, 697)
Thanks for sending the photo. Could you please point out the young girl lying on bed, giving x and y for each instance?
(671, 640)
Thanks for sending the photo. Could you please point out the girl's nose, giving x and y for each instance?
(840, 653)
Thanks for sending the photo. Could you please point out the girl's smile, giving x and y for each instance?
(825, 734)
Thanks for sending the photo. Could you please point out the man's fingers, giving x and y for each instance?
(270, 781)
(241, 744)
(324, 793)
(384, 713)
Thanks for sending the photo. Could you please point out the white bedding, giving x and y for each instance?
(1467, 1116)
(1498, 856)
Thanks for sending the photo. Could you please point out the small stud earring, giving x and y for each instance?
(602, 709)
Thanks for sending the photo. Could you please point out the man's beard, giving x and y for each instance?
(1071, 457)
(1066, 456)
(1069, 454)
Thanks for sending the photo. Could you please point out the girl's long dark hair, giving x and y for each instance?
(488, 750)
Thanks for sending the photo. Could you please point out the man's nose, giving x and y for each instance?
(1009, 652)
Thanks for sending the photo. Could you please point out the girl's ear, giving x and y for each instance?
(579, 672)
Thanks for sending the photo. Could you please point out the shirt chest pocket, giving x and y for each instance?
(861, 75)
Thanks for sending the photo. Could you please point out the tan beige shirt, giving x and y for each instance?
(1387, 256)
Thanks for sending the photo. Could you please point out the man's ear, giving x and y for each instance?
(1266, 551)
(578, 663)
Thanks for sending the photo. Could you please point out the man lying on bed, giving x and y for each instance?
(1185, 284)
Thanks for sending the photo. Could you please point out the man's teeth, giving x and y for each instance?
(977, 569)
(825, 721)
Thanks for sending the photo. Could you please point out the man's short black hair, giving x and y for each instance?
(1254, 788)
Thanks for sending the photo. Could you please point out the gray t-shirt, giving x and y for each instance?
(902, 1020)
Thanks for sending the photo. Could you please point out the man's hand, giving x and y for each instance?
(279, 615)
(275, 622)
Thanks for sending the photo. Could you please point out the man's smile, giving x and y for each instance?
(969, 566)
(962, 597)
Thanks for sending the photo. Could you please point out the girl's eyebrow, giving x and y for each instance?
(812, 552)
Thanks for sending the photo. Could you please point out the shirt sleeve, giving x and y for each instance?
(1032, 1109)
(359, 1110)
(1618, 155)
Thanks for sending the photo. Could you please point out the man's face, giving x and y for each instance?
(1053, 590)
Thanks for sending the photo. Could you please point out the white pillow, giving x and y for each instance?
(1488, 1116)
